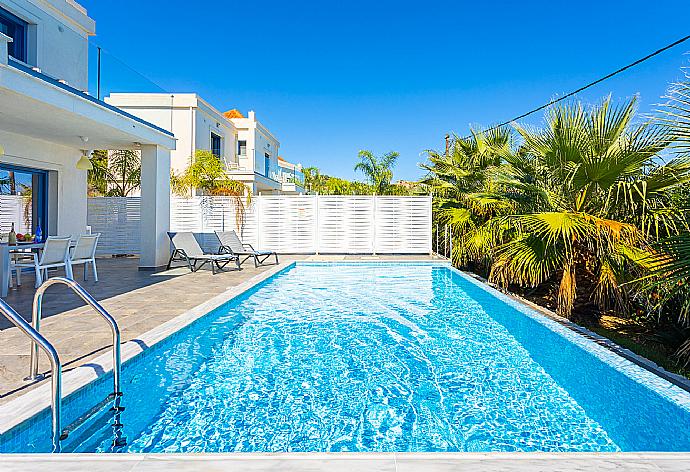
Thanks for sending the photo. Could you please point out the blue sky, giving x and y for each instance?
(331, 78)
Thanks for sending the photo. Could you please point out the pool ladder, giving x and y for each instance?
(38, 341)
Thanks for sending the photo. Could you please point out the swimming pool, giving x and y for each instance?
(366, 357)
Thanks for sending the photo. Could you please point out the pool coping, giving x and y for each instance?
(25, 407)
(361, 461)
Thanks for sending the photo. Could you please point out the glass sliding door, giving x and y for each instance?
(23, 199)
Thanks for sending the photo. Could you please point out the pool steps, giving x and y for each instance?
(38, 341)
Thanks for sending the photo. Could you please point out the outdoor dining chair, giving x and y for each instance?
(19, 257)
(84, 252)
(55, 254)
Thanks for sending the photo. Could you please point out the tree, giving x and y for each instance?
(467, 192)
(669, 263)
(601, 185)
(114, 174)
(577, 203)
(208, 175)
(377, 170)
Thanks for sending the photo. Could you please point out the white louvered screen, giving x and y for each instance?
(346, 224)
(185, 214)
(119, 222)
(287, 224)
(403, 225)
(15, 209)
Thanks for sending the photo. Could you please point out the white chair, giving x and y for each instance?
(55, 254)
(85, 253)
(19, 257)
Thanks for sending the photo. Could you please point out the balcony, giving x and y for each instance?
(276, 180)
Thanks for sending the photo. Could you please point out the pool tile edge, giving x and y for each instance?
(634, 366)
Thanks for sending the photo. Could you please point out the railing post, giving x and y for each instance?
(436, 238)
(317, 233)
(375, 222)
(89, 300)
(451, 245)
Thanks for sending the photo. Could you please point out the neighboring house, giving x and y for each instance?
(195, 123)
(248, 150)
(257, 151)
(48, 122)
(291, 176)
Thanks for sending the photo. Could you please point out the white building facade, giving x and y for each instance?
(248, 150)
(48, 121)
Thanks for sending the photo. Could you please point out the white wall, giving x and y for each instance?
(189, 118)
(259, 142)
(69, 208)
(207, 122)
(246, 161)
(57, 37)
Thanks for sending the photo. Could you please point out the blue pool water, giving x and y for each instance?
(379, 357)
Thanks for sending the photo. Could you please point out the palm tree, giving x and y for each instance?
(313, 180)
(669, 263)
(467, 190)
(378, 170)
(600, 187)
(578, 202)
(115, 174)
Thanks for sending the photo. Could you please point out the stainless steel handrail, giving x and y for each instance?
(38, 340)
(89, 300)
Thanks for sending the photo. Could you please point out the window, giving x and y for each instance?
(267, 164)
(216, 145)
(15, 28)
(242, 148)
(24, 194)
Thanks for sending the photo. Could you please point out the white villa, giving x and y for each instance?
(248, 149)
(49, 122)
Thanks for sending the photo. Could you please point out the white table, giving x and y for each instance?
(5, 250)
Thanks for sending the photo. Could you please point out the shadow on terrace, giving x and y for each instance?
(116, 277)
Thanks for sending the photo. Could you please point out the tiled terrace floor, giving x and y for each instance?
(139, 301)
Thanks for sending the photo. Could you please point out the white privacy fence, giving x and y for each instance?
(15, 209)
(288, 224)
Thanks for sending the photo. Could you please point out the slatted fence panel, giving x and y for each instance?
(403, 225)
(15, 209)
(287, 224)
(346, 224)
(118, 219)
